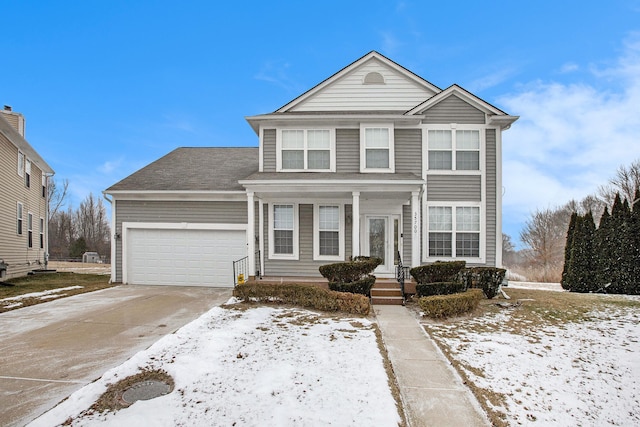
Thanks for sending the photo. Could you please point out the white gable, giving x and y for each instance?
(355, 89)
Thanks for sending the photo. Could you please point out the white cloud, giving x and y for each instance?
(571, 138)
(569, 67)
(276, 72)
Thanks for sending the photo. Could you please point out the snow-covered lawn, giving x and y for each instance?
(260, 366)
(14, 302)
(547, 372)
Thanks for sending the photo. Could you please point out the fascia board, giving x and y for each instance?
(178, 195)
(460, 92)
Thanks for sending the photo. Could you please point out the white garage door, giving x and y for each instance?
(183, 257)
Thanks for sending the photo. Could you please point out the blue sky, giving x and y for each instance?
(109, 86)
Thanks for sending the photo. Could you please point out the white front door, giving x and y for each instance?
(381, 240)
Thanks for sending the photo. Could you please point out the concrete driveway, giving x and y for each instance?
(50, 350)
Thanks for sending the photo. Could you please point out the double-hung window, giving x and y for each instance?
(27, 173)
(41, 233)
(453, 231)
(20, 163)
(19, 219)
(328, 232)
(454, 149)
(306, 150)
(30, 230)
(283, 221)
(376, 148)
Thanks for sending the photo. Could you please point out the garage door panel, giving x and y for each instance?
(183, 257)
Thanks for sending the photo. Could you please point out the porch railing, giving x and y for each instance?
(402, 272)
(241, 269)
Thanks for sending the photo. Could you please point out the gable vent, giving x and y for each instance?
(373, 78)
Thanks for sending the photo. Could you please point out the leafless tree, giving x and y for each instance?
(61, 234)
(545, 236)
(56, 195)
(626, 181)
(92, 224)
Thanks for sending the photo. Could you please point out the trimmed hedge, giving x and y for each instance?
(450, 305)
(362, 286)
(488, 279)
(350, 271)
(439, 288)
(438, 272)
(307, 296)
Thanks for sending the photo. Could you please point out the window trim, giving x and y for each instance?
(296, 232)
(19, 219)
(363, 148)
(316, 233)
(453, 127)
(332, 149)
(481, 258)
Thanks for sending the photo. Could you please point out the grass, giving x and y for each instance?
(47, 282)
(532, 310)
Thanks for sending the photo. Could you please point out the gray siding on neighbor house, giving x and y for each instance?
(175, 211)
(491, 161)
(305, 265)
(408, 151)
(269, 150)
(453, 110)
(406, 235)
(454, 188)
(347, 150)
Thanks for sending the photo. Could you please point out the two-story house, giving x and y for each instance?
(374, 160)
(23, 199)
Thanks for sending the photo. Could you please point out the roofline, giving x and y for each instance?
(176, 194)
(23, 145)
(454, 88)
(333, 182)
(373, 54)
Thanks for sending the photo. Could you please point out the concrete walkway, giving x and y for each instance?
(432, 392)
(50, 350)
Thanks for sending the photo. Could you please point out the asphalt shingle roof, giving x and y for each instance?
(194, 169)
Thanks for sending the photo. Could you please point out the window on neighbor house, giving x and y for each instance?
(377, 149)
(19, 218)
(20, 164)
(27, 173)
(30, 230)
(328, 234)
(450, 233)
(44, 185)
(283, 229)
(306, 149)
(41, 233)
(448, 149)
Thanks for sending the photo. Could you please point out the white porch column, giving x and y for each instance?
(415, 229)
(355, 224)
(251, 233)
(261, 235)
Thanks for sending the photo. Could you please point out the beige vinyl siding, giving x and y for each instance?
(406, 235)
(454, 188)
(408, 150)
(347, 150)
(15, 120)
(175, 211)
(269, 150)
(305, 265)
(453, 110)
(398, 93)
(491, 195)
(13, 247)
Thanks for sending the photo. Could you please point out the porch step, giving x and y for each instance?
(386, 292)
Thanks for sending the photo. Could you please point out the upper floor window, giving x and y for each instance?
(453, 231)
(453, 149)
(376, 148)
(27, 173)
(44, 185)
(306, 150)
(41, 233)
(20, 163)
(19, 219)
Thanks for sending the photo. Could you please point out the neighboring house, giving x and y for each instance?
(23, 200)
(374, 160)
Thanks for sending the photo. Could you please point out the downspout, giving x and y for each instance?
(113, 236)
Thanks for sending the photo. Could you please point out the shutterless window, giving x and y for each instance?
(20, 163)
(283, 223)
(440, 144)
(19, 219)
(467, 150)
(329, 230)
(467, 232)
(306, 149)
(440, 231)
(27, 173)
(44, 185)
(30, 230)
(448, 149)
(376, 146)
(41, 233)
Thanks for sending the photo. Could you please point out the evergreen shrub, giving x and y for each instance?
(307, 296)
(362, 286)
(440, 306)
(351, 276)
(439, 271)
(439, 288)
(488, 279)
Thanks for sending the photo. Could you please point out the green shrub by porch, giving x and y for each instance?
(439, 288)
(488, 279)
(307, 296)
(440, 306)
(439, 271)
(351, 276)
